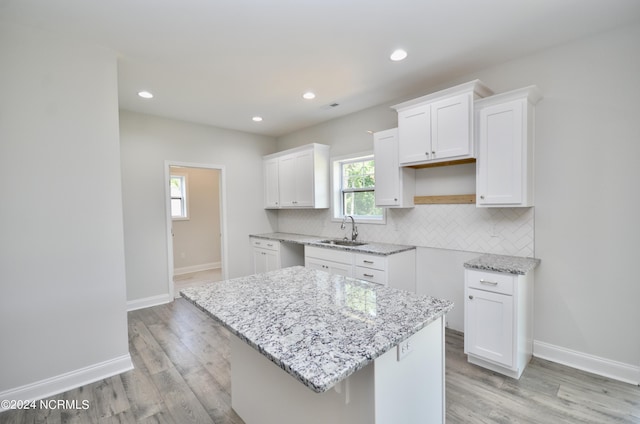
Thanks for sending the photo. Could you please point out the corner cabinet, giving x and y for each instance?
(297, 178)
(498, 320)
(438, 127)
(505, 137)
(395, 186)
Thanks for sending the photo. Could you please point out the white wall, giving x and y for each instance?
(587, 173)
(196, 241)
(62, 274)
(146, 142)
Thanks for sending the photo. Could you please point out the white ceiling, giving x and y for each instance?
(220, 62)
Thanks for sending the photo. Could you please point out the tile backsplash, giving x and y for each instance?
(505, 231)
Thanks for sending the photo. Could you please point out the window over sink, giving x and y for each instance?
(354, 189)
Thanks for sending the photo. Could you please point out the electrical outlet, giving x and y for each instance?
(404, 348)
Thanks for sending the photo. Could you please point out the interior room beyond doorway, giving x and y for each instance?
(196, 226)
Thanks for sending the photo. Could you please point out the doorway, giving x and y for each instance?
(195, 224)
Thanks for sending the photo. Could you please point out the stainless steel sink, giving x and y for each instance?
(342, 242)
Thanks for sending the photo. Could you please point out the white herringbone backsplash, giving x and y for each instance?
(505, 231)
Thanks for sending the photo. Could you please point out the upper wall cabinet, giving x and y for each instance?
(297, 178)
(395, 186)
(505, 135)
(438, 127)
(271, 188)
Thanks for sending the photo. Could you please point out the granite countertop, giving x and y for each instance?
(373, 248)
(318, 327)
(501, 263)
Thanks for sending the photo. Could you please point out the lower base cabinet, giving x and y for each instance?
(332, 261)
(269, 255)
(498, 321)
(397, 270)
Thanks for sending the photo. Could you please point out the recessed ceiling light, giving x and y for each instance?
(309, 95)
(145, 94)
(257, 119)
(398, 55)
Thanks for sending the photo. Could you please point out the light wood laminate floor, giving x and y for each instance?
(181, 375)
(194, 279)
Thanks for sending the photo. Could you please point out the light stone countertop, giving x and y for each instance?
(372, 248)
(318, 327)
(501, 263)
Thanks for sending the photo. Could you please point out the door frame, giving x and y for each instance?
(169, 221)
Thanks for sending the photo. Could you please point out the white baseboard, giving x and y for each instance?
(68, 381)
(605, 367)
(196, 268)
(147, 302)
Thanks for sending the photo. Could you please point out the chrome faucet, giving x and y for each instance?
(354, 229)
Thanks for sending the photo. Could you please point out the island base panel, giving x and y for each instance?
(386, 391)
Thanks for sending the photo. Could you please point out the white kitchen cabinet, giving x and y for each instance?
(505, 137)
(302, 178)
(271, 186)
(269, 255)
(330, 266)
(329, 260)
(498, 321)
(397, 270)
(438, 127)
(395, 186)
(296, 179)
(266, 255)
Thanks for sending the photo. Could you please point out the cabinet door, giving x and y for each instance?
(488, 327)
(272, 259)
(265, 260)
(414, 134)
(341, 269)
(500, 139)
(296, 176)
(259, 261)
(271, 177)
(451, 130)
(286, 174)
(387, 172)
(329, 266)
(304, 179)
(314, 263)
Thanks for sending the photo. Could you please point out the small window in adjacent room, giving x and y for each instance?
(354, 185)
(179, 207)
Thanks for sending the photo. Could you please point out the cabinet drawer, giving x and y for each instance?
(329, 254)
(265, 244)
(371, 261)
(490, 281)
(373, 275)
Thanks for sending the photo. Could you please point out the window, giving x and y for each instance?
(179, 208)
(354, 188)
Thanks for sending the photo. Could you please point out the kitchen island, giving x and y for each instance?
(314, 347)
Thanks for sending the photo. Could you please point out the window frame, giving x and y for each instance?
(184, 199)
(337, 205)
